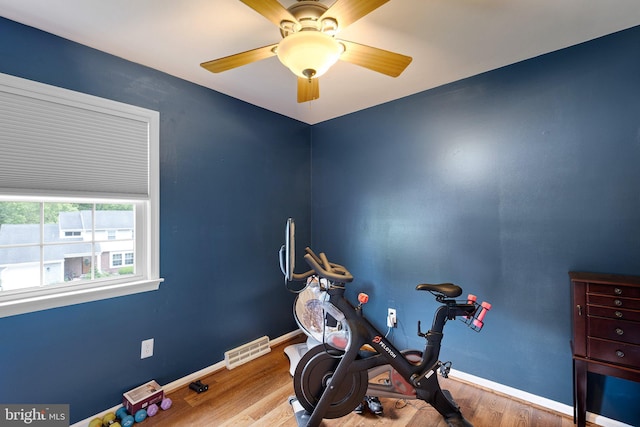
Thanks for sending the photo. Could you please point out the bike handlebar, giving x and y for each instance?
(323, 268)
(313, 254)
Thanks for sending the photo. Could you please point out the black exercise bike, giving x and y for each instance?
(331, 380)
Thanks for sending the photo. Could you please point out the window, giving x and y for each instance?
(116, 260)
(120, 259)
(128, 258)
(65, 236)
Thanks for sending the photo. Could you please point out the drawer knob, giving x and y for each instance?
(620, 353)
(618, 303)
(619, 314)
(617, 291)
(619, 331)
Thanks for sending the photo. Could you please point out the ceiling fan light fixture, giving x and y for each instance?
(309, 53)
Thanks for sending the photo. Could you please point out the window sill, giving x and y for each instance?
(11, 305)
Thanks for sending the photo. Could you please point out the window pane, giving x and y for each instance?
(19, 223)
(19, 267)
(54, 265)
(64, 222)
(115, 225)
(19, 245)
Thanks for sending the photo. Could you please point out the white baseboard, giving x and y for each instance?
(500, 388)
(534, 399)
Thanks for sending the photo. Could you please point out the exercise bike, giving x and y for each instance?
(330, 380)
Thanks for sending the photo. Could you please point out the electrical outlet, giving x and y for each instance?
(392, 320)
(147, 348)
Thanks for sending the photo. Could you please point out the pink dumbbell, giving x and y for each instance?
(478, 321)
(471, 299)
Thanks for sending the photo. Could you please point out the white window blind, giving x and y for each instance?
(55, 142)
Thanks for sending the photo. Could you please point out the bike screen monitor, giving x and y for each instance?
(287, 251)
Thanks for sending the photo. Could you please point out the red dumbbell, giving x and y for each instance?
(363, 298)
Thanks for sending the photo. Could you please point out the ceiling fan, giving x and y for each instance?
(309, 47)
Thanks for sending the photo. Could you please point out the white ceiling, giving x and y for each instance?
(448, 40)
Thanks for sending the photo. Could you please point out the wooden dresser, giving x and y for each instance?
(606, 331)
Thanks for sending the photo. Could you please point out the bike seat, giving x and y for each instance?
(447, 289)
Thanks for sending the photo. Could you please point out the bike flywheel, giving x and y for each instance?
(315, 373)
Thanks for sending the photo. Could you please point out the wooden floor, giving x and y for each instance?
(255, 394)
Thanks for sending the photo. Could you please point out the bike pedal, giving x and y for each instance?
(374, 405)
(444, 369)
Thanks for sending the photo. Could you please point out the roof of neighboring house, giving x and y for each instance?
(105, 220)
(15, 234)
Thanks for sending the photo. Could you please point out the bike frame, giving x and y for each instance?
(419, 375)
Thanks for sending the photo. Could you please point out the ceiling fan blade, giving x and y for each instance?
(380, 60)
(346, 12)
(308, 89)
(239, 59)
(271, 9)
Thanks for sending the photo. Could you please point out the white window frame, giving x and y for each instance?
(147, 253)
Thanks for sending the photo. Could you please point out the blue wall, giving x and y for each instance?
(227, 186)
(501, 183)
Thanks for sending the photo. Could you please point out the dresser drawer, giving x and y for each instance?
(614, 290)
(614, 352)
(615, 313)
(611, 301)
(614, 329)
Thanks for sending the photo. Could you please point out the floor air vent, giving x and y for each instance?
(244, 353)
